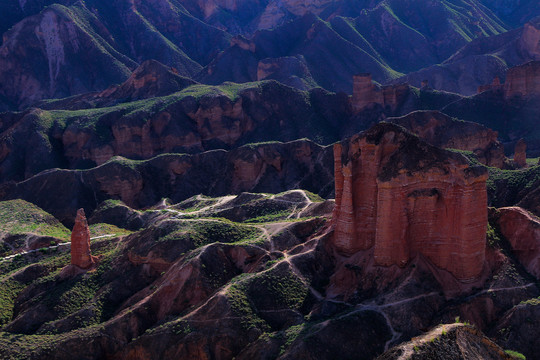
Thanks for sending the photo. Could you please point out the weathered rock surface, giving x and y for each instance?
(522, 230)
(403, 197)
(273, 168)
(483, 59)
(520, 153)
(516, 188)
(366, 94)
(150, 79)
(451, 342)
(443, 131)
(523, 80)
(81, 255)
(195, 287)
(513, 118)
(75, 47)
(518, 330)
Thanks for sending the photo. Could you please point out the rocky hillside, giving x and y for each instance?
(262, 276)
(480, 61)
(269, 179)
(47, 46)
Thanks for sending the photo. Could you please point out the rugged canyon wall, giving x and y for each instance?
(80, 243)
(366, 93)
(444, 131)
(401, 197)
(523, 80)
(522, 230)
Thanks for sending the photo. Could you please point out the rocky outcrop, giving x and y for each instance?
(37, 52)
(523, 80)
(150, 79)
(367, 94)
(518, 329)
(443, 131)
(449, 342)
(495, 85)
(530, 40)
(271, 167)
(522, 230)
(80, 243)
(402, 198)
(520, 153)
(290, 70)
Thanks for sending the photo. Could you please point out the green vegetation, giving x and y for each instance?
(9, 290)
(195, 203)
(241, 306)
(512, 182)
(533, 161)
(207, 231)
(313, 197)
(515, 354)
(533, 301)
(107, 229)
(493, 236)
(286, 290)
(278, 215)
(471, 157)
(81, 292)
(21, 217)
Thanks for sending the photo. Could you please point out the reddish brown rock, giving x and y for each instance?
(520, 153)
(402, 197)
(80, 243)
(523, 80)
(529, 41)
(366, 94)
(522, 229)
(444, 131)
(495, 85)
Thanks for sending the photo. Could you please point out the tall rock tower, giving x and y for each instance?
(400, 197)
(80, 243)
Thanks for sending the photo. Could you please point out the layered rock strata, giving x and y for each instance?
(367, 94)
(402, 197)
(80, 243)
(443, 131)
(523, 80)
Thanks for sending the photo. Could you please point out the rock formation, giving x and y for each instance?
(401, 197)
(522, 230)
(366, 94)
(530, 40)
(495, 85)
(443, 131)
(270, 167)
(80, 243)
(450, 342)
(523, 80)
(520, 153)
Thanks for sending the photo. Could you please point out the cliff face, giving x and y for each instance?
(530, 40)
(80, 243)
(523, 80)
(366, 94)
(443, 131)
(522, 230)
(402, 197)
